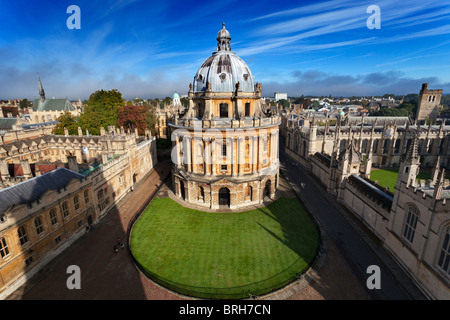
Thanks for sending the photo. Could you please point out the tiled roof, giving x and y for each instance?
(7, 123)
(52, 105)
(31, 190)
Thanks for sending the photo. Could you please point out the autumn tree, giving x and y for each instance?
(131, 118)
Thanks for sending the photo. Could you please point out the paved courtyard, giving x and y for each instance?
(108, 275)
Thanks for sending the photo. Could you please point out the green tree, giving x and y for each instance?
(284, 103)
(66, 120)
(101, 110)
(167, 101)
(25, 103)
(151, 119)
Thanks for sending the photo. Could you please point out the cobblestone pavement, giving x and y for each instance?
(112, 276)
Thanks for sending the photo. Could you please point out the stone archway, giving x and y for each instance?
(182, 191)
(224, 197)
(267, 188)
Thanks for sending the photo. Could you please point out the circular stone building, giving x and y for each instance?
(225, 146)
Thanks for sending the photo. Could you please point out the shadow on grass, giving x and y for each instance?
(299, 233)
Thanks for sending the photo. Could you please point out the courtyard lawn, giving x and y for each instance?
(388, 177)
(224, 255)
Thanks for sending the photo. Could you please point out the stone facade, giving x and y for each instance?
(413, 223)
(429, 102)
(225, 148)
(96, 172)
(35, 231)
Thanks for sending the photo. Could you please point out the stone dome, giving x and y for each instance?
(224, 69)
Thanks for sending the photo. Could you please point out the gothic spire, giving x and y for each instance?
(41, 89)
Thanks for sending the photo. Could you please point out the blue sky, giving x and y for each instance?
(151, 49)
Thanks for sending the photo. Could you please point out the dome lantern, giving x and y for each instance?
(223, 39)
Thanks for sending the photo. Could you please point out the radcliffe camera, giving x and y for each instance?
(223, 157)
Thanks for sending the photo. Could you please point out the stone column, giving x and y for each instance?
(207, 155)
(188, 156)
(213, 155)
(241, 150)
(254, 154)
(178, 151)
(234, 159)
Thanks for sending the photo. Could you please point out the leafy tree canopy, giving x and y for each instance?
(66, 120)
(101, 110)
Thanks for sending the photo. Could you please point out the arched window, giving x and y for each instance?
(375, 146)
(444, 254)
(22, 233)
(364, 146)
(76, 203)
(341, 146)
(53, 218)
(248, 193)
(201, 194)
(430, 146)
(412, 216)
(38, 225)
(397, 145)
(65, 209)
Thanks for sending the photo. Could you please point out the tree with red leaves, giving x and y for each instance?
(132, 117)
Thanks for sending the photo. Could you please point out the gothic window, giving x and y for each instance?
(342, 146)
(430, 146)
(223, 110)
(23, 237)
(397, 145)
(364, 146)
(375, 146)
(412, 216)
(444, 254)
(386, 146)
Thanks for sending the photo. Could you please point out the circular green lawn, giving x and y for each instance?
(224, 255)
